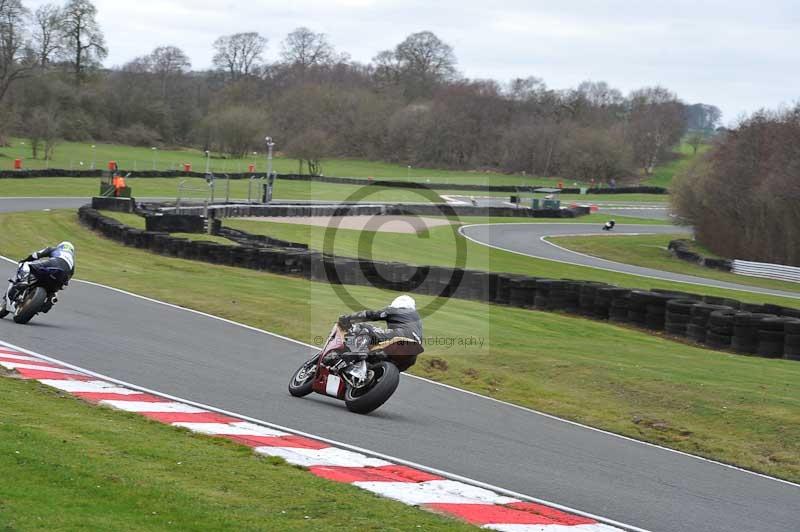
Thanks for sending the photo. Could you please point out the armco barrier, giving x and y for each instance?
(769, 271)
(719, 323)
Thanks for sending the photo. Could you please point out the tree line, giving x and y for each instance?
(408, 105)
(743, 196)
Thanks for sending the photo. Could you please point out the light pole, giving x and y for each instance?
(155, 155)
(408, 173)
(270, 145)
(208, 162)
(93, 156)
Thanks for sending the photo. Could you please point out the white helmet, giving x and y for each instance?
(404, 301)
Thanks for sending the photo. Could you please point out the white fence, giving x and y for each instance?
(764, 269)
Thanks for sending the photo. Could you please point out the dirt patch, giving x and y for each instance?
(386, 224)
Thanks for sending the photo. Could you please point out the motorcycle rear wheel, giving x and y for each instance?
(302, 382)
(385, 381)
(31, 305)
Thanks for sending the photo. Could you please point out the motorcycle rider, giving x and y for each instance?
(58, 260)
(609, 225)
(401, 318)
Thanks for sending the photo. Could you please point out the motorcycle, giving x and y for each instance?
(35, 292)
(363, 383)
(609, 225)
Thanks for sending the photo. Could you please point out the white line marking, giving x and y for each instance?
(88, 387)
(355, 448)
(37, 367)
(405, 375)
(595, 527)
(461, 232)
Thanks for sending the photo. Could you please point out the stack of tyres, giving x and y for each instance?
(573, 294)
(722, 301)
(587, 296)
(522, 292)
(771, 336)
(678, 316)
(657, 311)
(791, 342)
(745, 331)
(551, 294)
(751, 307)
(604, 296)
(698, 324)
(542, 298)
(618, 312)
(637, 307)
(720, 329)
(503, 294)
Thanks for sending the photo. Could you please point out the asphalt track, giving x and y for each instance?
(246, 371)
(243, 370)
(528, 239)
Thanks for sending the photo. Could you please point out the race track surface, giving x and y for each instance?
(245, 371)
(527, 239)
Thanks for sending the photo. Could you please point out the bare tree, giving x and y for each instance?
(656, 123)
(310, 147)
(43, 127)
(695, 140)
(239, 53)
(15, 53)
(83, 39)
(305, 49)
(48, 40)
(167, 62)
(421, 61)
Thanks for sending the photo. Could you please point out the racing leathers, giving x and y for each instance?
(56, 262)
(400, 322)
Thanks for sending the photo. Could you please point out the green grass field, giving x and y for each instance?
(651, 251)
(168, 188)
(438, 246)
(70, 155)
(738, 409)
(68, 465)
(663, 174)
(77, 155)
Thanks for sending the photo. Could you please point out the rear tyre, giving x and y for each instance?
(302, 382)
(31, 305)
(385, 381)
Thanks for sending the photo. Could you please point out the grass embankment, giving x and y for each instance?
(663, 174)
(437, 246)
(138, 222)
(70, 466)
(168, 188)
(738, 409)
(651, 251)
(69, 155)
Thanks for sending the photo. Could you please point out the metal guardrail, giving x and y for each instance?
(767, 270)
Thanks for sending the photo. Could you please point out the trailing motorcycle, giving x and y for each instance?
(35, 290)
(348, 368)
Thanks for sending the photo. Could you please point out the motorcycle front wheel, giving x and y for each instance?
(384, 382)
(31, 305)
(302, 382)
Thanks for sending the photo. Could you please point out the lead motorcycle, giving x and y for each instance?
(35, 292)
(364, 384)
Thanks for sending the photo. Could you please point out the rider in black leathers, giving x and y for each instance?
(401, 318)
(58, 261)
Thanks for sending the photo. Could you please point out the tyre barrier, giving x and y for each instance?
(680, 248)
(242, 211)
(718, 323)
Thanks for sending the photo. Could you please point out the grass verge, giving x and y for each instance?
(438, 246)
(737, 409)
(68, 465)
(650, 251)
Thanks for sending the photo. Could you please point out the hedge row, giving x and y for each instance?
(765, 330)
(55, 172)
(244, 210)
(680, 248)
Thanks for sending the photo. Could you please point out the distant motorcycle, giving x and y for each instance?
(363, 384)
(609, 225)
(35, 293)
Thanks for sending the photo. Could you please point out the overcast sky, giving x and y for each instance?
(738, 55)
